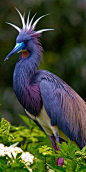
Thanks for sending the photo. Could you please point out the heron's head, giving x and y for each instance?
(27, 37)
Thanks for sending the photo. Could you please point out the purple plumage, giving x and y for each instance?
(27, 93)
(48, 100)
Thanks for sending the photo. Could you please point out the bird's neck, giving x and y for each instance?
(24, 71)
(27, 66)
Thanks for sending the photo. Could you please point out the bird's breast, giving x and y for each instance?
(45, 122)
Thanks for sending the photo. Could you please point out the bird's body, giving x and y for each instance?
(51, 102)
(47, 99)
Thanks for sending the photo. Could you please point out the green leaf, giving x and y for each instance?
(18, 155)
(56, 168)
(2, 162)
(5, 125)
(82, 169)
(2, 169)
(25, 119)
(84, 149)
(38, 166)
(74, 166)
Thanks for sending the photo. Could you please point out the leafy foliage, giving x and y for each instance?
(32, 139)
(8, 164)
(73, 156)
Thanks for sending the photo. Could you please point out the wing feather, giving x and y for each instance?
(65, 107)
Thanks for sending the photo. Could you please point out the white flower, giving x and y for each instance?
(18, 150)
(1, 146)
(1, 150)
(7, 151)
(27, 157)
(10, 151)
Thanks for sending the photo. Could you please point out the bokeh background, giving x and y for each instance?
(64, 48)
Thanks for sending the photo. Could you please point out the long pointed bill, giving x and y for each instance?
(18, 47)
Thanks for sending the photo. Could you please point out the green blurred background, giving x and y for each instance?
(64, 48)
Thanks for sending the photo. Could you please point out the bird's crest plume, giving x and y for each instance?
(29, 26)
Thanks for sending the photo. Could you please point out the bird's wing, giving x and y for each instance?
(65, 108)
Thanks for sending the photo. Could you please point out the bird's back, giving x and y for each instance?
(63, 105)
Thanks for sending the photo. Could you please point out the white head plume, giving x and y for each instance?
(28, 18)
(29, 26)
(16, 27)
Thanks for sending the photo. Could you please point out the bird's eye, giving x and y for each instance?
(25, 42)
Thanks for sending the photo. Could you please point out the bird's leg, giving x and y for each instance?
(53, 142)
(59, 161)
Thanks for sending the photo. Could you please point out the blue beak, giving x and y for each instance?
(18, 47)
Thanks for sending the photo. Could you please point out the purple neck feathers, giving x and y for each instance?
(28, 93)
